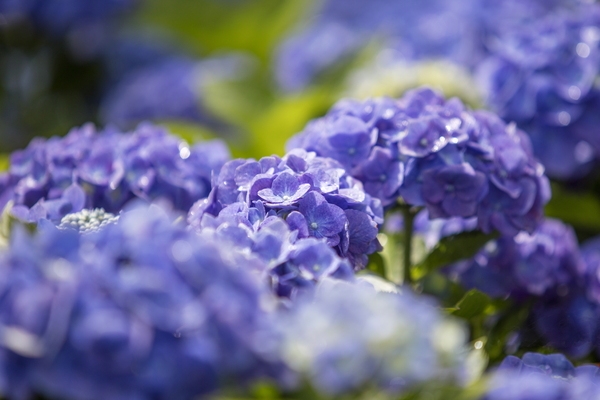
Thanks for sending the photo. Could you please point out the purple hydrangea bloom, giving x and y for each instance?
(540, 377)
(61, 17)
(86, 27)
(406, 30)
(313, 194)
(412, 30)
(547, 268)
(167, 88)
(277, 249)
(89, 169)
(142, 308)
(358, 342)
(435, 153)
(545, 262)
(542, 76)
(568, 323)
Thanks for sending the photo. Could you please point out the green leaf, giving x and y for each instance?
(377, 265)
(4, 162)
(472, 304)
(208, 25)
(582, 210)
(452, 249)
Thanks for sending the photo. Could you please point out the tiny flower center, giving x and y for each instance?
(383, 177)
(424, 142)
(351, 151)
(285, 197)
(449, 188)
(314, 225)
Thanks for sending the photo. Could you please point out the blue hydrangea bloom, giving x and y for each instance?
(406, 30)
(542, 76)
(544, 262)
(288, 259)
(106, 169)
(315, 196)
(140, 309)
(435, 153)
(348, 336)
(59, 17)
(541, 377)
(548, 268)
(166, 87)
(340, 28)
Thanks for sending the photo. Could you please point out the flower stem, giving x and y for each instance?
(409, 217)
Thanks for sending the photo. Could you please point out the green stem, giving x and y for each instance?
(409, 217)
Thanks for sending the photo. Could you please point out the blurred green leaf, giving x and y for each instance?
(213, 25)
(377, 265)
(472, 304)
(582, 210)
(4, 162)
(452, 249)
(511, 320)
(191, 133)
(284, 118)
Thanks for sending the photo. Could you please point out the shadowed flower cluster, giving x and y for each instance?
(314, 195)
(89, 169)
(548, 268)
(62, 17)
(543, 76)
(142, 308)
(162, 87)
(435, 153)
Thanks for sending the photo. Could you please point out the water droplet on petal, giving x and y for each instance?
(583, 50)
(583, 152)
(184, 152)
(574, 92)
(564, 118)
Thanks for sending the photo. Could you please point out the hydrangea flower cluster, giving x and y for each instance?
(348, 336)
(142, 308)
(165, 88)
(543, 377)
(406, 31)
(548, 267)
(546, 261)
(435, 153)
(60, 17)
(293, 264)
(89, 169)
(543, 75)
(314, 195)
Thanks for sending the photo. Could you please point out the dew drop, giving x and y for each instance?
(583, 50)
(574, 92)
(583, 152)
(564, 118)
(184, 152)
